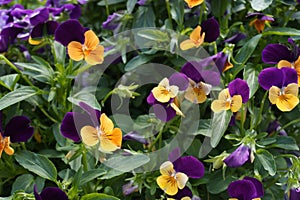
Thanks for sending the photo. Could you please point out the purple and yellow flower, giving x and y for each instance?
(294, 194)
(41, 30)
(16, 130)
(176, 174)
(209, 31)
(50, 193)
(239, 157)
(200, 81)
(81, 44)
(259, 20)
(247, 189)
(283, 56)
(232, 97)
(282, 86)
(7, 37)
(193, 3)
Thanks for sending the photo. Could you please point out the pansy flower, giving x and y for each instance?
(275, 126)
(193, 3)
(16, 130)
(110, 138)
(174, 175)
(282, 86)
(50, 193)
(209, 31)
(239, 157)
(200, 81)
(236, 38)
(113, 22)
(129, 188)
(7, 37)
(81, 44)
(259, 20)
(247, 189)
(294, 194)
(283, 56)
(40, 30)
(232, 97)
(164, 91)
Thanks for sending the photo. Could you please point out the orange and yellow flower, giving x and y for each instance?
(193, 3)
(196, 39)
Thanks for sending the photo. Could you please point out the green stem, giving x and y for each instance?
(261, 108)
(82, 69)
(202, 10)
(242, 119)
(107, 8)
(288, 124)
(106, 97)
(215, 47)
(169, 12)
(84, 159)
(158, 138)
(47, 115)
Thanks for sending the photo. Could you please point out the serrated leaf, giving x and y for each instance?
(98, 196)
(16, 96)
(260, 5)
(267, 160)
(37, 164)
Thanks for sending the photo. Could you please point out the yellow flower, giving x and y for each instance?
(286, 99)
(4, 145)
(226, 102)
(110, 138)
(294, 65)
(193, 3)
(196, 92)
(196, 39)
(90, 51)
(164, 92)
(170, 181)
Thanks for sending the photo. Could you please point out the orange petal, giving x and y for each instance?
(115, 137)
(195, 35)
(106, 144)
(187, 44)
(106, 125)
(75, 51)
(236, 103)
(89, 135)
(91, 40)
(193, 3)
(9, 150)
(95, 56)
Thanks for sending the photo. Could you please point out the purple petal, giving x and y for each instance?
(68, 127)
(18, 129)
(36, 193)
(185, 192)
(174, 154)
(275, 126)
(68, 31)
(273, 53)
(52, 3)
(164, 112)
(82, 1)
(7, 37)
(193, 70)
(270, 77)
(290, 76)
(211, 77)
(220, 60)
(258, 186)
(20, 12)
(267, 18)
(2, 2)
(136, 136)
(239, 157)
(39, 30)
(51, 193)
(39, 16)
(142, 2)
(93, 113)
(211, 29)
(295, 49)
(180, 80)
(236, 38)
(295, 192)
(189, 165)
(76, 12)
(129, 188)
(242, 190)
(239, 87)
(112, 22)
(151, 99)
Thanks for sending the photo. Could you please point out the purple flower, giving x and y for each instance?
(211, 29)
(2, 2)
(113, 22)
(142, 2)
(239, 157)
(68, 31)
(259, 21)
(43, 29)
(7, 37)
(295, 194)
(129, 188)
(38, 16)
(185, 192)
(136, 136)
(246, 189)
(275, 126)
(74, 121)
(50, 193)
(235, 38)
(239, 87)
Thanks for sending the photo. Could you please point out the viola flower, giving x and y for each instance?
(239, 157)
(232, 97)
(164, 91)
(42, 29)
(16, 130)
(282, 86)
(193, 3)
(235, 38)
(175, 175)
(129, 188)
(2, 2)
(50, 193)
(110, 138)
(209, 31)
(200, 81)
(81, 44)
(283, 56)
(259, 21)
(182, 194)
(136, 136)
(113, 22)
(7, 37)
(294, 194)
(275, 126)
(246, 189)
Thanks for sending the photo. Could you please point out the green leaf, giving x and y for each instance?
(282, 31)
(204, 127)
(98, 196)
(251, 76)
(267, 160)
(245, 53)
(260, 5)
(219, 7)
(59, 53)
(286, 142)
(219, 125)
(136, 62)
(37, 164)
(91, 175)
(217, 183)
(24, 182)
(9, 81)
(156, 35)
(130, 5)
(16, 96)
(177, 12)
(109, 2)
(144, 17)
(86, 97)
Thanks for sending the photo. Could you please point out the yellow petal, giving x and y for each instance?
(284, 63)
(178, 111)
(224, 95)
(161, 94)
(9, 150)
(95, 56)
(287, 102)
(173, 91)
(167, 168)
(236, 103)
(193, 3)
(89, 135)
(274, 93)
(164, 83)
(106, 145)
(75, 51)
(181, 179)
(195, 35)
(106, 125)
(291, 89)
(185, 198)
(91, 40)
(219, 105)
(195, 95)
(34, 41)
(187, 44)
(168, 184)
(228, 65)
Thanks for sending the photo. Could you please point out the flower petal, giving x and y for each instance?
(89, 135)
(295, 194)
(151, 99)
(96, 56)
(270, 77)
(167, 168)
(93, 113)
(274, 94)
(187, 44)
(218, 106)
(239, 157)
(239, 87)
(75, 51)
(193, 3)
(51, 193)
(290, 76)
(284, 63)
(136, 136)
(236, 38)
(36, 193)
(161, 94)
(258, 186)
(242, 189)
(184, 194)
(106, 145)
(193, 71)
(115, 137)
(273, 53)
(190, 166)
(68, 31)
(211, 29)
(168, 184)
(91, 40)
(181, 179)
(292, 89)
(195, 95)
(106, 125)
(236, 103)
(164, 112)
(195, 35)
(287, 102)
(174, 154)
(180, 80)
(18, 129)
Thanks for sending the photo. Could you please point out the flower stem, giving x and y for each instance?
(158, 138)
(47, 115)
(107, 8)
(261, 109)
(106, 97)
(169, 12)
